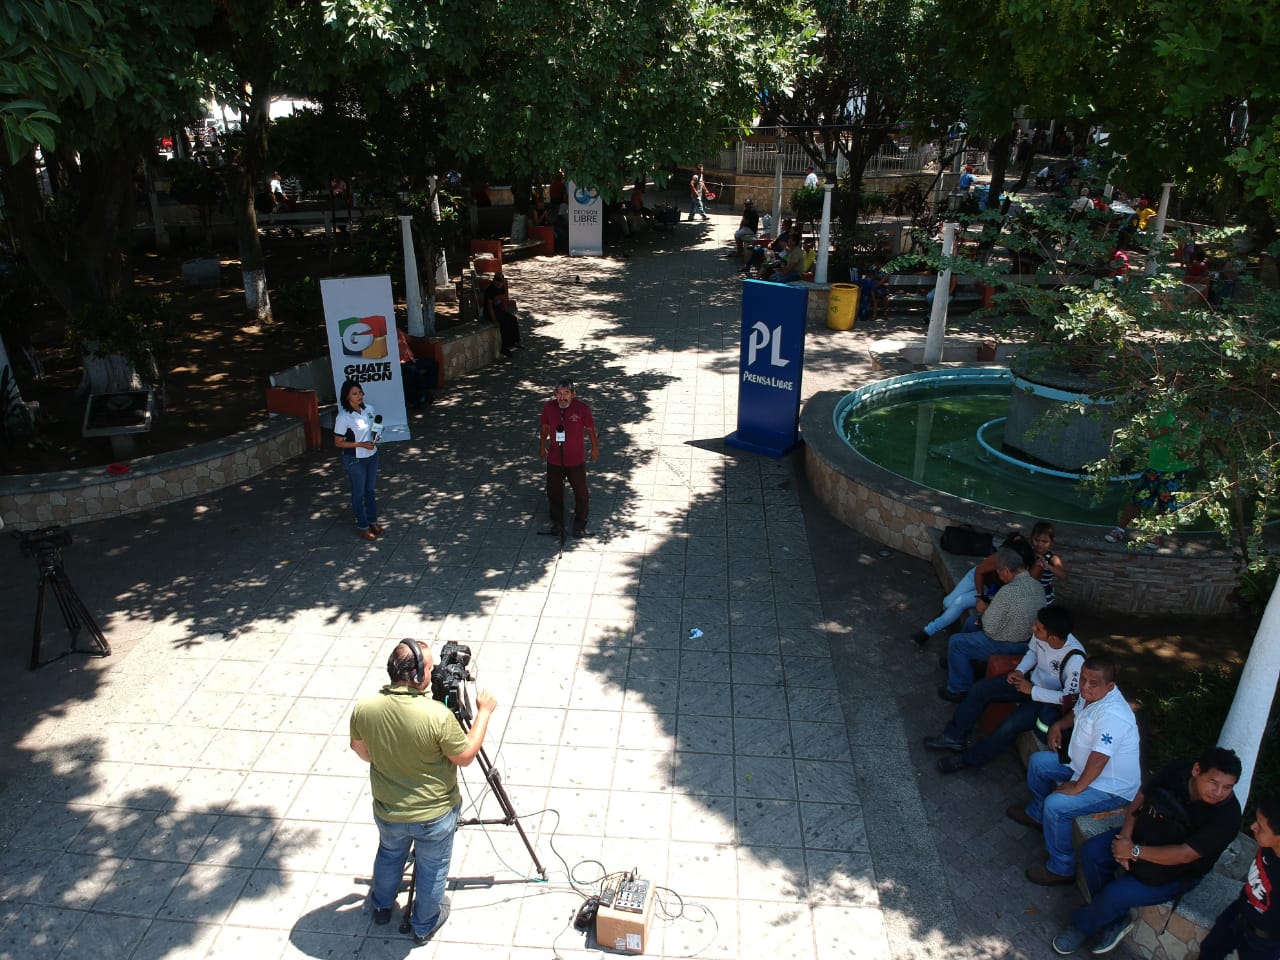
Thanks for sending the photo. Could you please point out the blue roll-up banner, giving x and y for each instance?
(769, 370)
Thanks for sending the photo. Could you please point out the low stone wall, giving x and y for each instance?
(467, 348)
(1191, 573)
(77, 496)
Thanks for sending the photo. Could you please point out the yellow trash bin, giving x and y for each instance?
(842, 308)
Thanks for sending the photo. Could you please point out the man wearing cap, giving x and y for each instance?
(748, 227)
(966, 178)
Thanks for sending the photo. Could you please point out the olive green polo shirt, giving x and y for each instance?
(410, 739)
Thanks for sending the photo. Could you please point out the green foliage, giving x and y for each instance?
(298, 306)
(50, 52)
(806, 203)
(145, 329)
(1258, 583)
(1183, 720)
(1161, 355)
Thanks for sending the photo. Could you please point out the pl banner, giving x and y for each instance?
(360, 321)
(770, 367)
(586, 222)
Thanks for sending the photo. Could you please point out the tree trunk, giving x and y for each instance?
(999, 157)
(242, 175)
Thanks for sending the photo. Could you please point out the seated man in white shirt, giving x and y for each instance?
(1103, 773)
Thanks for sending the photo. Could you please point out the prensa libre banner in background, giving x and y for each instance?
(586, 222)
(360, 322)
(770, 367)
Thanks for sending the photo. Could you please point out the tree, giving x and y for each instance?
(859, 71)
(95, 118)
(540, 86)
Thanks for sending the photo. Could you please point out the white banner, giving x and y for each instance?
(586, 222)
(360, 321)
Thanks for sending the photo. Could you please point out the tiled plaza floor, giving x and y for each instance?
(194, 795)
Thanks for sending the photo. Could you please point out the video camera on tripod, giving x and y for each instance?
(45, 546)
(449, 677)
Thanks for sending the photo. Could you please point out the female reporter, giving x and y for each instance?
(355, 433)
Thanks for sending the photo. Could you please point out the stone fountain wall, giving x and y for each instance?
(1067, 440)
(1191, 573)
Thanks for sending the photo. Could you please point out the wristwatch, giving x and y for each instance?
(1136, 852)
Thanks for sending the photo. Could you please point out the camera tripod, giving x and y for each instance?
(462, 710)
(45, 546)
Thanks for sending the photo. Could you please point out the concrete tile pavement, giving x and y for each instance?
(194, 795)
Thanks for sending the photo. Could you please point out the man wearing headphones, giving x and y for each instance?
(562, 432)
(414, 745)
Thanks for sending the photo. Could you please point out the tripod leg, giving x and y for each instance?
(77, 613)
(36, 635)
(406, 919)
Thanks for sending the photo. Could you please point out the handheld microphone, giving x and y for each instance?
(376, 429)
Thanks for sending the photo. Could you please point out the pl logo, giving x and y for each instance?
(364, 337)
(760, 337)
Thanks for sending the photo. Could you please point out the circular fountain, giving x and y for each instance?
(927, 449)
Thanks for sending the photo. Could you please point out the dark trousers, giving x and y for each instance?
(419, 377)
(1234, 931)
(981, 695)
(508, 327)
(555, 494)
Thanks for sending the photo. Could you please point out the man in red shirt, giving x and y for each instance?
(562, 432)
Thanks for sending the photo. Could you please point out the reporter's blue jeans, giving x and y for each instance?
(363, 475)
(1055, 811)
(432, 849)
(1112, 895)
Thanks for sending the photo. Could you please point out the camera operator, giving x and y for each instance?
(414, 745)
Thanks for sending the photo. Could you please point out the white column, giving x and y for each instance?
(1153, 255)
(1247, 719)
(412, 288)
(777, 192)
(938, 318)
(444, 289)
(824, 236)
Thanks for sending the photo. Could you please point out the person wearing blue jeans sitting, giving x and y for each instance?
(1102, 773)
(1002, 626)
(1046, 680)
(1173, 833)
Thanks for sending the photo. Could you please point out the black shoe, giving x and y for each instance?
(920, 637)
(552, 530)
(420, 938)
(579, 531)
(950, 695)
(1018, 814)
(950, 764)
(506, 352)
(943, 742)
(382, 917)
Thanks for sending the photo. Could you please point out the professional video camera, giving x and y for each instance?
(448, 677)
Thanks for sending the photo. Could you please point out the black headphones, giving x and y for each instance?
(419, 668)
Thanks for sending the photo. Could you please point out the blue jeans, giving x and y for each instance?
(432, 850)
(1114, 895)
(1232, 932)
(982, 695)
(696, 206)
(964, 648)
(954, 604)
(363, 475)
(1055, 811)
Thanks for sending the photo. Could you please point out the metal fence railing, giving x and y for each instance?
(761, 156)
